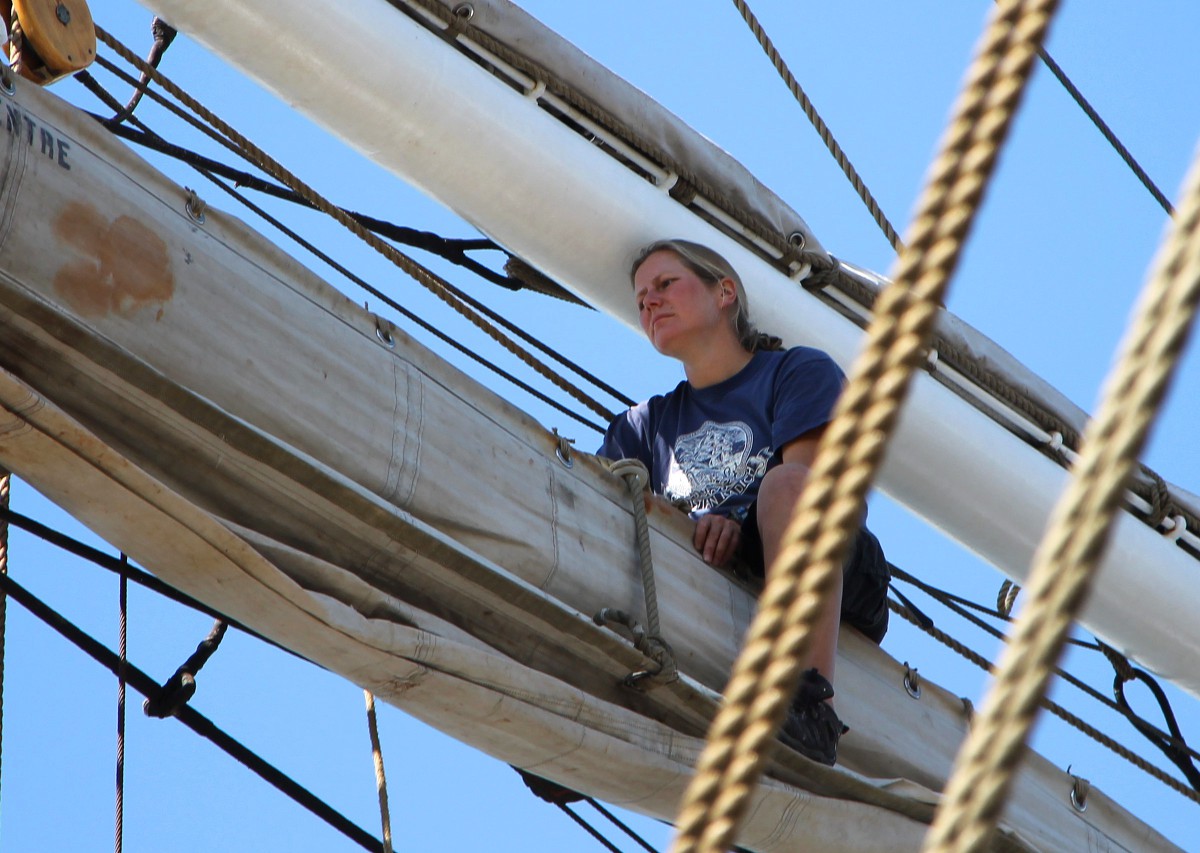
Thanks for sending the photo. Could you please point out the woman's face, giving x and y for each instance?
(678, 309)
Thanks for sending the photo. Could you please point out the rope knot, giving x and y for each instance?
(181, 686)
(633, 472)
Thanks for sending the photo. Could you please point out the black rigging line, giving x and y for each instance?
(122, 665)
(948, 600)
(452, 250)
(90, 83)
(645, 845)
(104, 561)
(591, 830)
(122, 568)
(1173, 746)
(1105, 130)
(190, 717)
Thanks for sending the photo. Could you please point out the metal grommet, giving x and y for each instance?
(464, 12)
(194, 206)
(563, 450)
(797, 240)
(912, 681)
(1079, 793)
(384, 335)
(6, 82)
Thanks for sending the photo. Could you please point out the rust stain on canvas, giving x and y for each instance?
(120, 265)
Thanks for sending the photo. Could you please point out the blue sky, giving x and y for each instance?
(1051, 272)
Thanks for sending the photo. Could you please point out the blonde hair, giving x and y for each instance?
(712, 268)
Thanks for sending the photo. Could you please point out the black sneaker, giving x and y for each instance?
(812, 728)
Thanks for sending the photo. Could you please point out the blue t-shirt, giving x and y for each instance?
(710, 447)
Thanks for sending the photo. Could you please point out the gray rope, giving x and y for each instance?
(650, 642)
(819, 125)
(5, 489)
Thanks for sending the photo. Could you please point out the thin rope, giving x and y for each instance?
(801, 581)
(385, 817)
(1106, 131)
(122, 661)
(1070, 552)
(5, 490)
(818, 123)
(422, 275)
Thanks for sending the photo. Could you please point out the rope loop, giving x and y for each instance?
(1007, 597)
(633, 472)
(1173, 746)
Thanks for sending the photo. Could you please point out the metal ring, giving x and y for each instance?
(912, 683)
(797, 240)
(6, 83)
(464, 12)
(384, 335)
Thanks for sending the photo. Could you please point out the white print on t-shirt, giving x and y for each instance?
(714, 463)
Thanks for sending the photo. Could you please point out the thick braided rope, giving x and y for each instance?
(423, 276)
(827, 516)
(819, 125)
(385, 816)
(1071, 550)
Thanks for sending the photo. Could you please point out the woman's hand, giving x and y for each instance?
(717, 538)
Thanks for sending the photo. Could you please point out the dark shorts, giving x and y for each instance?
(865, 576)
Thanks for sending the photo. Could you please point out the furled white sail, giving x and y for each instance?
(492, 154)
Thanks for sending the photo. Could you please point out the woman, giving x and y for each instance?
(734, 442)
